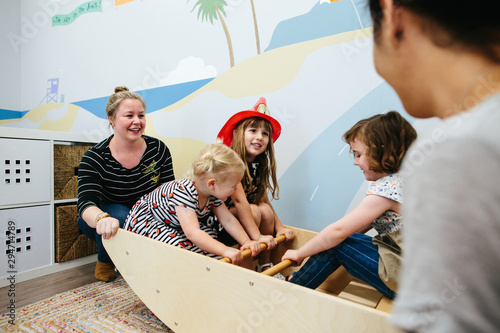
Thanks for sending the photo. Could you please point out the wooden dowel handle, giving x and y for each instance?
(277, 268)
(247, 252)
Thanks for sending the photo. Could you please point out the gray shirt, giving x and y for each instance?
(450, 278)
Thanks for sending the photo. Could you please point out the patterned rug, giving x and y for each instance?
(97, 307)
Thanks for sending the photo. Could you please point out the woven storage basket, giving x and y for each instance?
(70, 242)
(66, 162)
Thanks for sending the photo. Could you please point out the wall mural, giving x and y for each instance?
(196, 63)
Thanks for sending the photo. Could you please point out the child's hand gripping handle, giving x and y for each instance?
(247, 252)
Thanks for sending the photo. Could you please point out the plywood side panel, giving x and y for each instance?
(178, 286)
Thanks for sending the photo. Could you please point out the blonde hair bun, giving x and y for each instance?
(122, 88)
(115, 99)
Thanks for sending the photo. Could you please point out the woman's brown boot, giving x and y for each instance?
(105, 271)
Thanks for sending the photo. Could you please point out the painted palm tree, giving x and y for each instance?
(356, 10)
(257, 39)
(210, 9)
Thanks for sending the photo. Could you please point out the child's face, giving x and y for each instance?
(359, 151)
(256, 140)
(224, 189)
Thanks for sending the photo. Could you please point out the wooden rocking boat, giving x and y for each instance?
(193, 293)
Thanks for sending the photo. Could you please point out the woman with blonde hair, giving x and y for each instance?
(117, 171)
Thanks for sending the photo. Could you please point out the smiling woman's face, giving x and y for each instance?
(129, 121)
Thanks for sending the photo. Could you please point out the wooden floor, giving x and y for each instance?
(38, 289)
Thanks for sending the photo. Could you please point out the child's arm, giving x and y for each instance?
(246, 219)
(278, 226)
(371, 207)
(365, 229)
(235, 229)
(191, 227)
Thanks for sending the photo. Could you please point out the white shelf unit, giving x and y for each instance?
(27, 201)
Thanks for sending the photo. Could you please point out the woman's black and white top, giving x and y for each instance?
(102, 178)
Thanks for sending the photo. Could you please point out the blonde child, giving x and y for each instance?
(180, 212)
(378, 144)
(251, 135)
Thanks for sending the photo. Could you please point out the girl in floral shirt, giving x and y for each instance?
(378, 144)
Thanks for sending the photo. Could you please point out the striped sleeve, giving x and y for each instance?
(89, 181)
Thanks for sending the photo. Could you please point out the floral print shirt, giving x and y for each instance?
(390, 187)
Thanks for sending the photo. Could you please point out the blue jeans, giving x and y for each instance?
(117, 211)
(357, 254)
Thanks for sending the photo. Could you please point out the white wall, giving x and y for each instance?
(10, 60)
(315, 69)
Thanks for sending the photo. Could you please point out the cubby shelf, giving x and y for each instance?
(32, 188)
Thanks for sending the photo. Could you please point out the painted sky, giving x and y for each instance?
(90, 56)
(166, 45)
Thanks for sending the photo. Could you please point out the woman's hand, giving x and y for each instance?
(107, 227)
(289, 233)
(254, 246)
(294, 256)
(268, 240)
(233, 254)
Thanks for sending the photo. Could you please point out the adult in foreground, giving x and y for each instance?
(116, 172)
(443, 60)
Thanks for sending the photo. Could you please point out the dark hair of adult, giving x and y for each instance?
(472, 25)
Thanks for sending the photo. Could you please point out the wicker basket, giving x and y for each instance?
(66, 161)
(70, 242)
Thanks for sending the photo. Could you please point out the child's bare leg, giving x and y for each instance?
(257, 216)
(266, 228)
(234, 211)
